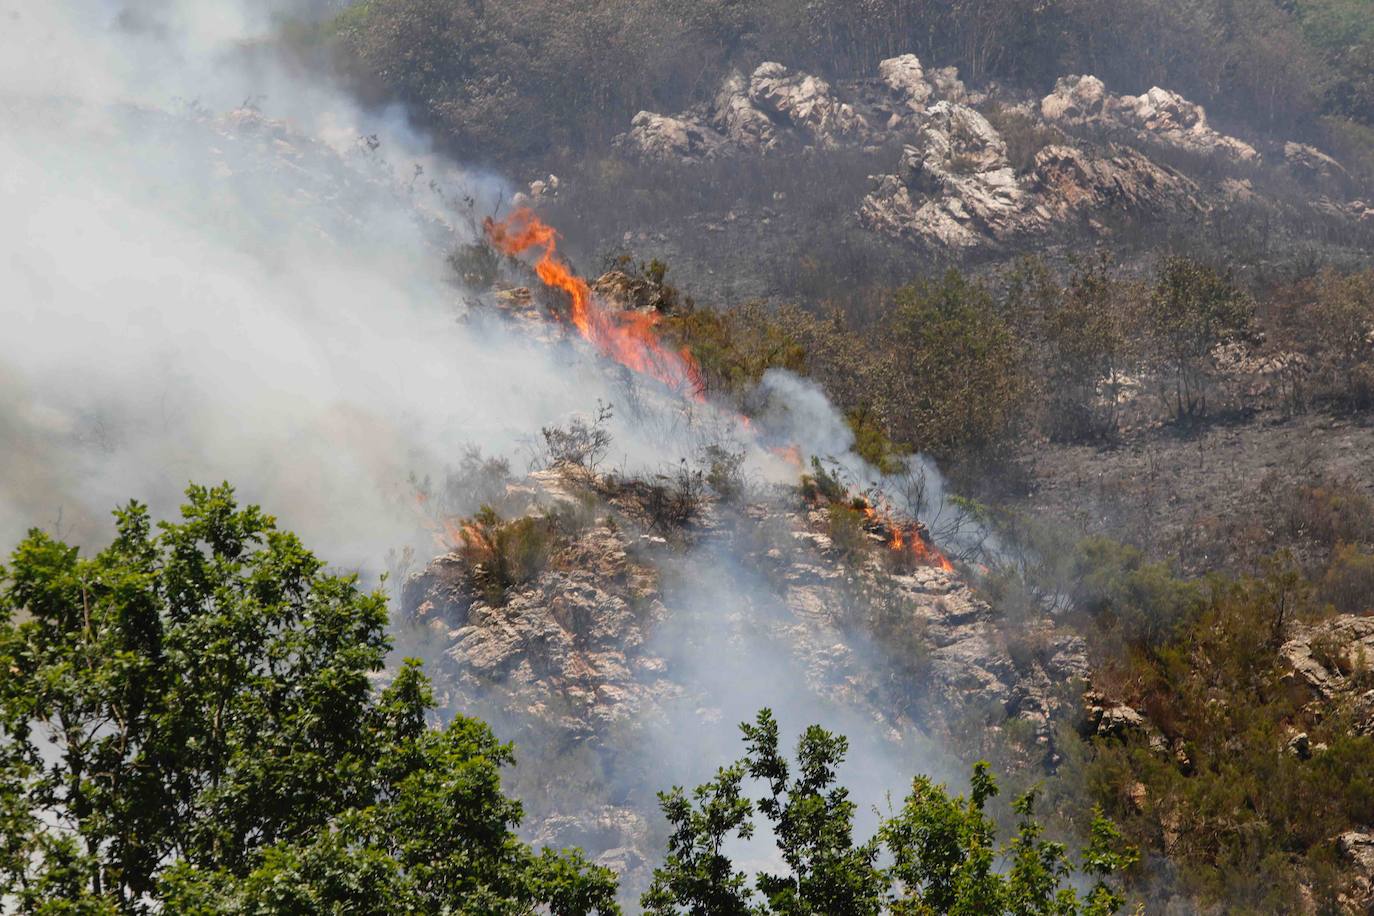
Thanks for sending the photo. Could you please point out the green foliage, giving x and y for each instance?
(504, 554)
(823, 484)
(1085, 330)
(846, 529)
(1192, 311)
(953, 375)
(1246, 821)
(188, 721)
(871, 441)
(1025, 136)
(724, 472)
(941, 849)
(1330, 318)
(1144, 601)
(1348, 583)
(734, 348)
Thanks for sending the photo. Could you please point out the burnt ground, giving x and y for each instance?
(1216, 497)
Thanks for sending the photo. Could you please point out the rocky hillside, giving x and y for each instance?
(916, 161)
(610, 637)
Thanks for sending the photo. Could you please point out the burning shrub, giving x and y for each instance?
(504, 554)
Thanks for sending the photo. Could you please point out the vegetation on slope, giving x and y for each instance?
(188, 724)
(493, 76)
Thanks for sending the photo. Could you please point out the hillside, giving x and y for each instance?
(962, 387)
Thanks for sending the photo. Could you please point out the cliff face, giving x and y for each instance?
(635, 629)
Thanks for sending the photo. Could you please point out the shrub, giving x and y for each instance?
(582, 444)
(723, 472)
(845, 525)
(673, 502)
(1348, 584)
(502, 555)
(1192, 311)
(1328, 513)
(953, 377)
(1025, 136)
(822, 484)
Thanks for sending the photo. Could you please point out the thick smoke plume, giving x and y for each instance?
(198, 290)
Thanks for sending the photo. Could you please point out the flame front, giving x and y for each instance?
(898, 537)
(628, 338)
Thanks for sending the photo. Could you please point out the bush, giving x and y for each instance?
(581, 445)
(1192, 311)
(1328, 513)
(1025, 136)
(952, 376)
(845, 525)
(672, 502)
(502, 555)
(1246, 821)
(1348, 584)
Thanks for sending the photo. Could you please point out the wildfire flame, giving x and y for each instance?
(628, 338)
(899, 536)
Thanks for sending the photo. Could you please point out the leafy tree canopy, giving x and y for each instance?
(941, 849)
(188, 724)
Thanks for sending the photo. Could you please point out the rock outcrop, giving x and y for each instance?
(1334, 662)
(601, 645)
(955, 188)
(1082, 160)
(1082, 152)
(1160, 115)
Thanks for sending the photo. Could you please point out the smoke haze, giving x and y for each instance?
(195, 290)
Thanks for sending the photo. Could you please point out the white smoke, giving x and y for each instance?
(191, 291)
(194, 293)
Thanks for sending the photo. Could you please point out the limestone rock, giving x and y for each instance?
(1332, 661)
(1310, 162)
(739, 119)
(664, 137)
(580, 656)
(905, 79)
(805, 102)
(1160, 114)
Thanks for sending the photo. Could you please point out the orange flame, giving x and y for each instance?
(899, 535)
(789, 453)
(626, 337)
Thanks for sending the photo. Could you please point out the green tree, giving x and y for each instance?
(941, 849)
(954, 377)
(1192, 311)
(1086, 335)
(188, 724)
